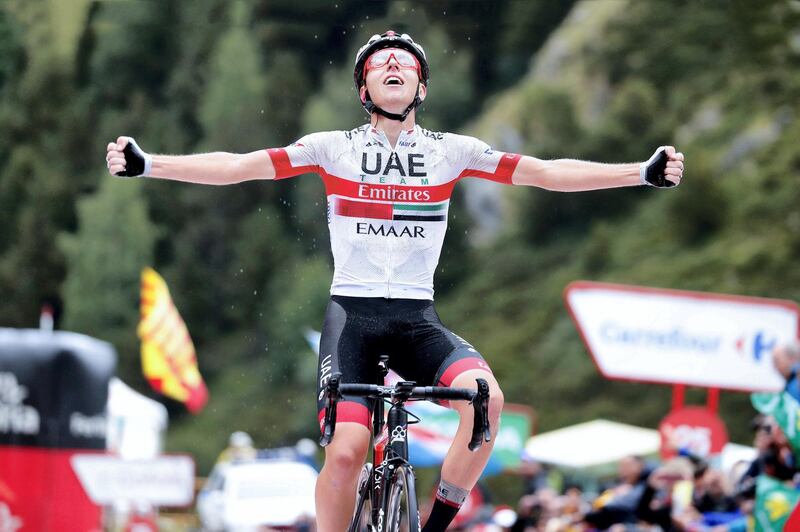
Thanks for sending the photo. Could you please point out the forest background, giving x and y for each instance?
(249, 265)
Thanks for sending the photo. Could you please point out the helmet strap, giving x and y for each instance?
(370, 106)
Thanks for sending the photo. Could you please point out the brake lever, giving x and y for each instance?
(481, 430)
(329, 423)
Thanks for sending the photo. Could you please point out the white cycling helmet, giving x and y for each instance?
(390, 39)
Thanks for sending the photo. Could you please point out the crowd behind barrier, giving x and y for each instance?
(686, 493)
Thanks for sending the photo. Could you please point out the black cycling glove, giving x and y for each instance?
(652, 171)
(137, 162)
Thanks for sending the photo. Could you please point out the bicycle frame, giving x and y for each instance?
(389, 450)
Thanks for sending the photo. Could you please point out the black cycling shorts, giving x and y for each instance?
(357, 330)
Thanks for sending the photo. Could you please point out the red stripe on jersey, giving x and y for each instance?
(502, 174)
(348, 412)
(283, 166)
(363, 209)
(405, 193)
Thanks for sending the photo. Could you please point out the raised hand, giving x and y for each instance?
(663, 169)
(124, 158)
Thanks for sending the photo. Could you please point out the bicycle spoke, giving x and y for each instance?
(401, 511)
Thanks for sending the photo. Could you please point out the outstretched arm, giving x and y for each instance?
(217, 168)
(569, 175)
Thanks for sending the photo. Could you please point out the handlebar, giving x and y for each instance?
(404, 391)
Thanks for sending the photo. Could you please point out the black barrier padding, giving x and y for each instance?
(54, 389)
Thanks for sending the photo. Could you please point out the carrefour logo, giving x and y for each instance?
(673, 338)
(761, 344)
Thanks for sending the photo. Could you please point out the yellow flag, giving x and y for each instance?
(168, 357)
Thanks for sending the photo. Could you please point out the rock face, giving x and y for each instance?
(558, 64)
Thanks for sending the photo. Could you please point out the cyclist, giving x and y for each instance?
(388, 185)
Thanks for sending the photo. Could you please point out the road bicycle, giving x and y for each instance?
(386, 498)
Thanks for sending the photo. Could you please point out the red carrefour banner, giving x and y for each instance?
(695, 429)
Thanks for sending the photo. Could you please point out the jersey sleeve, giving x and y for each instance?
(303, 157)
(483, 162)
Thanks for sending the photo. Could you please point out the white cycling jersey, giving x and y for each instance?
(387, 208)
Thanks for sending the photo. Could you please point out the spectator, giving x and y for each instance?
(786, 359)
(655, 506)
(529, 513)
(712, 494)
(775, 457)
(618, 504)
(240, 448)
(569, 511)
(533, 473)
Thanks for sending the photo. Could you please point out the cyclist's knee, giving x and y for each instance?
(496, 402)
(496, 399)
(344, 461)
(347, 451)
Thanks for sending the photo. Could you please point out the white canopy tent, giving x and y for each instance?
(591, 444)
(601, 443)
(136, 424)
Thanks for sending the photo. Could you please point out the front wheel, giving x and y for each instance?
(401, 504)
(362, 515)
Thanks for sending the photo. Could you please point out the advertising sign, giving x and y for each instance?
(167, 480)
(694, 428)
(53, 395)
(679, 337)
(53, 389)
(430, 439)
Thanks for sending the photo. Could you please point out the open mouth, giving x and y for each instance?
(393, 80)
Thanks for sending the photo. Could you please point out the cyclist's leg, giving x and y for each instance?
(463, 467)
(336, 485)
(344, 349)
(442, 358)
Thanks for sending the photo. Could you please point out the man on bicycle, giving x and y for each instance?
(388, 185)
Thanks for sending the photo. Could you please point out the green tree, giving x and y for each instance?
(104, 261)
(232, 109)
(36, 203)
(12, 52)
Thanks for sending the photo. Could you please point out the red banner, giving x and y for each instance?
(32, 478)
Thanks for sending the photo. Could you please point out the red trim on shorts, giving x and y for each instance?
(348, 412)
(460, 366)
(283, 166)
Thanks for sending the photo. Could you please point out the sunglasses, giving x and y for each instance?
(381, 58)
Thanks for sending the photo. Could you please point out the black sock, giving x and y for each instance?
(441, 516)
(449, 499)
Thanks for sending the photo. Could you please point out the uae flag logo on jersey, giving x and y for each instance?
(412, 212)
